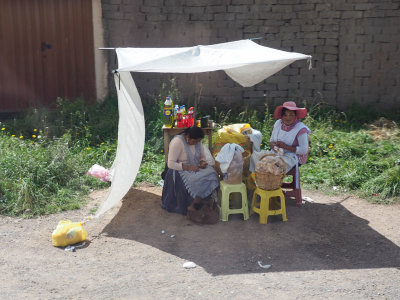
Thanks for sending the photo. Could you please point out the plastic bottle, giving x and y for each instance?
(183, 110)
(179, 118)
(172, 102)
(185, 121)
(190, 117)
(168, 112)
(176, 112)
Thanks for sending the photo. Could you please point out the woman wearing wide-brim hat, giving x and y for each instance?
(289, 137)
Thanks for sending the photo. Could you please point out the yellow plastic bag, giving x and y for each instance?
(231, 134)
(241, 127)
(68, 233)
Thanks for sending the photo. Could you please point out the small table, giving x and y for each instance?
(170, 132)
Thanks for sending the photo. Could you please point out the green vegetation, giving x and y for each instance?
(44, 155)
(39, 177)
(353, 156)
(355, 151)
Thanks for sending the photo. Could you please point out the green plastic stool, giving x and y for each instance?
(224, 191)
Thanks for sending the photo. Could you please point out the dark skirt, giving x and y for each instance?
(175, 197)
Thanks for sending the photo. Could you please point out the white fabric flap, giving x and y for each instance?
(244, 61)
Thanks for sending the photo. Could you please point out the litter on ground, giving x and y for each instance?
(189, 265)
(263, 266)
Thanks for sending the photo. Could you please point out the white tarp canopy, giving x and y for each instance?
(244, 61)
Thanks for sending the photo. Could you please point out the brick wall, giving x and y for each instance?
(355, 46)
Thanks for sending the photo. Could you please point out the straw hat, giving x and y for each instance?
(290, 105)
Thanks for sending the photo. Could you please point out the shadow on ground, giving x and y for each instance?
(316, 237)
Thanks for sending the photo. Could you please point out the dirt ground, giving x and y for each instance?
(334, 247)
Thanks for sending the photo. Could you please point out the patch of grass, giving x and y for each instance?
(94, 210)
(348, 156)
(41, 177)
(87, 124)
(151, 167)
(345, 151)
(385, 186)
(44, 155)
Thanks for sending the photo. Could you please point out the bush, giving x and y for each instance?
(87, 124)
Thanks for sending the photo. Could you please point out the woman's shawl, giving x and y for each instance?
(203, 182)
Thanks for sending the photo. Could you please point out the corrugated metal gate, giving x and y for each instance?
(46, 51)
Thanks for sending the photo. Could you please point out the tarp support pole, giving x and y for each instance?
(119, 78)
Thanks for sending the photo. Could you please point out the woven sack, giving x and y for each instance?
(268, 181)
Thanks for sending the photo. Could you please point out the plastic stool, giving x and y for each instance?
(264, 209)
(291, 186)
(225, 191)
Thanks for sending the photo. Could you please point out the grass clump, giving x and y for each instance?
(86, 123)
(349, 155)
(44, 177)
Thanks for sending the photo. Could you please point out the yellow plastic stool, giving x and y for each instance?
(224, 192)
(264, 209)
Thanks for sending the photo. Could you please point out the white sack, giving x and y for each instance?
(225, 156)
(256, 137)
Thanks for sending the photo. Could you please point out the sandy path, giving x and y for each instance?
(334, 247)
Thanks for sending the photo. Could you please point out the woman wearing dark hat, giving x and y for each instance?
(189, 180)
(289, 137)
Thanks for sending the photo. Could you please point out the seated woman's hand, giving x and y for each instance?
(203, 164)
(286, 146)
(190, 168)
(281, 145)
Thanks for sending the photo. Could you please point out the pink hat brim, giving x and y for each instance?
(301, 113)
